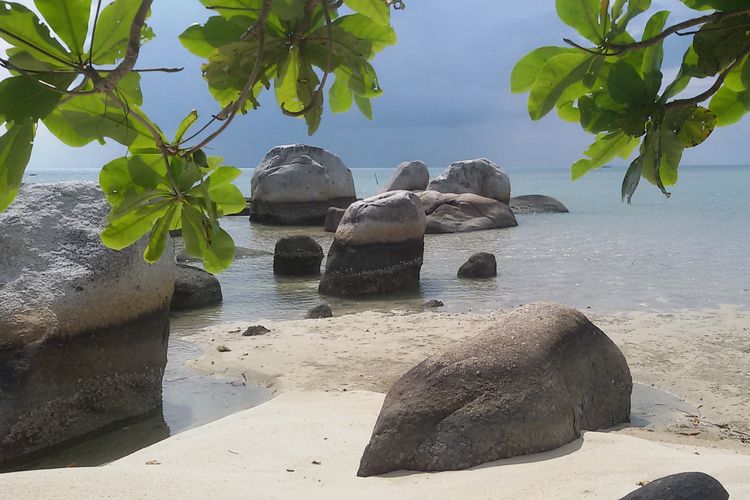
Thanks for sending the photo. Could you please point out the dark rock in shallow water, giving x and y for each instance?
(536, 204)
(255, 330)
(480, 177)
(83, 329)
(531, 382)
(432, 304)
(378, 247)
(683, 486)
(479, 265)
(319, 312)
(297, 256)
(409, 176)
(333, 219)
(461, 213)
(195, 288)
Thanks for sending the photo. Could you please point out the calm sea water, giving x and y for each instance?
(686, 252)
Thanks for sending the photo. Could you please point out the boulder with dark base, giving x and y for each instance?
(529, 383)
(409, 176)
(297, 256)
(296, 184)
(536, 204)
(683, 486)
(461, 213)
(480, 177)
(195, 288)
(378, 247)
(83, 329)
(480, 265)
(333, 219)
(319, 312)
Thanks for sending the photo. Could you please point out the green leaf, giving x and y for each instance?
(364, 105)
(159, 237)
(125, 179)
(377, 10)
(604, 149)
(559, 73)
(185, 125)
(69, 19)
(217, 32)
(670, 149)
(340, 97)
(653, 56)
(527, 69)
(206, 240)
(288, 10)
(23, 98)
(367, 31)
(632, 179)
(130, 226)
(285, 85)
(22, 28)
(200, 159)
(715, 4)
(113, 31)
(635, 8)
(581, 15)
(15, 151)
(697, 127)
(626, 86)
(718, 44)
(729, 106)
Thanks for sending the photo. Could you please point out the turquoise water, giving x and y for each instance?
(686, 252)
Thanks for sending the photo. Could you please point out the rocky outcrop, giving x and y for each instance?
(296, 184)
(297, 256)
(536, 204)
(83, 329)
(480, 265)
(333, 219)
(319, 312)
(378, 247)
(461, 213)
(529, 383)
(683, 486)
(409, 176)
(194, 288)
(480, 177)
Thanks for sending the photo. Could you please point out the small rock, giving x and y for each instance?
(479, 265)
(683, 486)
(255, 330)
(319, 312)
(222, 348)
(315, 462)
(432, 303)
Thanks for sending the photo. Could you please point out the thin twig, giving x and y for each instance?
(93, 30)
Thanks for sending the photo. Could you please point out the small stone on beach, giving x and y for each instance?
(222, 348)
(432, 304)
(255, 330)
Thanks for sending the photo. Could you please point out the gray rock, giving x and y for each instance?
(480, 265)
(297, 256)
(295, 185)
(683, 486)
(320, 312)
(480, 177)
(333, 219)
(536, 204)
(378, 247)
(409, 176)
(432, 304)
(194, 288)
(255, 330)
(73, 310)
(530, 383)
(461, 213)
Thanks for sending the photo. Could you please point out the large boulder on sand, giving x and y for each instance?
(378, 247)
(295, 185)
(297, 256)
(480, 176)
(195, 288)
(409, 176)
(83, 329)
(461, 213)
(682, 486)
(529, 383)
(536, 204)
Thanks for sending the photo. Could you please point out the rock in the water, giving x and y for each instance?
(683, 486)
(480, 177)
(320, 312)
(194, 288)
(536, 204)
(255, 330)
(529, 383)
(378, 247)
(460, 213)
(295, 185)
(432, 304)
(409, 176)
(479, 265)
(83, 329)
(297, 256)
(333, 219)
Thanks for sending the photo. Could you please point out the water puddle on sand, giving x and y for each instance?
(653, 408)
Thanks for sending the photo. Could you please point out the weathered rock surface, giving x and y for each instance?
(683, 486)
(460, 213)
(536, 204)
(296, 184)
(480, 177)
(319, 312)
(378, 247)
(530, 383)
(297, 256)
(333, 219)
(480, 265)
(255, 331)
(409, 176)
(195, 288)
(83, 329)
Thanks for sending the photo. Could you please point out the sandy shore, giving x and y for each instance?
(329, 376)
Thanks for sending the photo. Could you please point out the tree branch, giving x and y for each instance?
(694, 101)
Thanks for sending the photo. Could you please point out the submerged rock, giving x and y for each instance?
(536, 204)
(296, 184)
(683, 486)
(480, 177)
(480, 265)
(409, 176)
(531, 382)
(460, 213)
(432, 304)
(378, 247)
(319, 312)
(83, 329)
(333, 219)
(297, 256)
(194, 288)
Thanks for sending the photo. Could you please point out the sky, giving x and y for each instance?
(446, 95)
